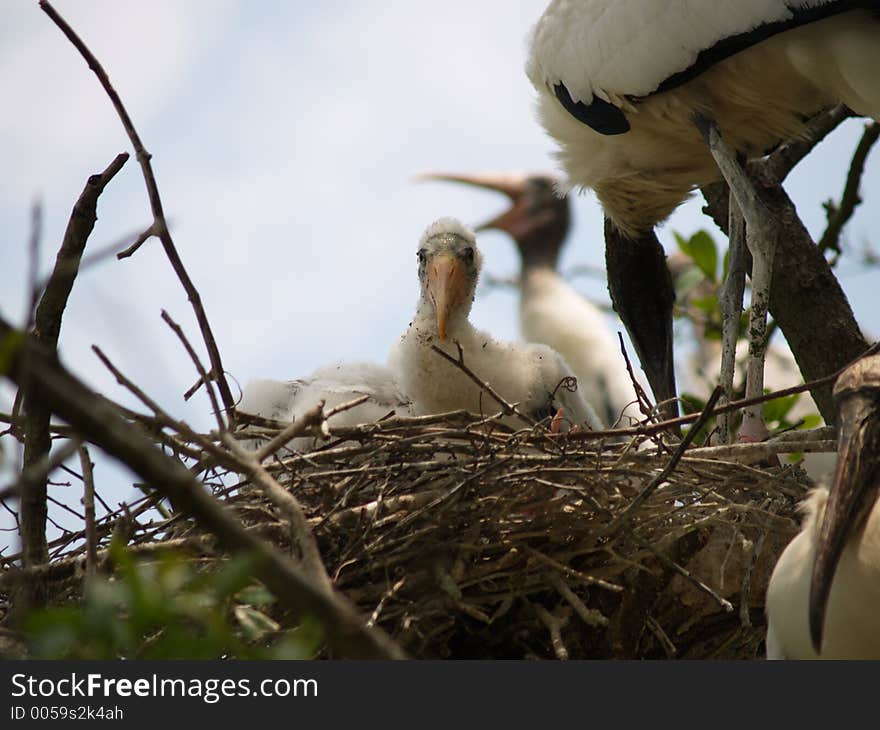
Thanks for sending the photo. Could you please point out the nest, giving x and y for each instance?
(463, 541)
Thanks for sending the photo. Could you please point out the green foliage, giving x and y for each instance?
(165, 608)
(702, 251)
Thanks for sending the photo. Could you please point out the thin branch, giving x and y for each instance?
(784, 158)
(102, 423)
(839, 215)
(34, 261)
(163, 418)
(649, 489)
(306, 423)
(215, 406)
(506, 407)
(300, 532)
(644, 402)
(590, 616)
(160, 225)
(47, 327)
(39, 471)
(554, 625)
(89, 507)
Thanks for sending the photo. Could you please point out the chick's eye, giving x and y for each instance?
(469, 254)
(420, 254)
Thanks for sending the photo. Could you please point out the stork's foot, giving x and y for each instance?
(762, 233)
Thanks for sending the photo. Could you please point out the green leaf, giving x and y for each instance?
(777, 410)
(708, 304)
(687, 281)
(705, 253)
(811, 420)
(683, 244)
(9, 347)
(255, 595)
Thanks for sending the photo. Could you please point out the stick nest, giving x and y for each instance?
(463, 541)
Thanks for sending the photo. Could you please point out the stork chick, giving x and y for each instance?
(529, 375)
(550, 310)
(823, 600)
(335, 385)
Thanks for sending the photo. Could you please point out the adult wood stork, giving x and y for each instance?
(335, 384)
(532, 376)
(550, 310)
(823, 600)
(621, 83)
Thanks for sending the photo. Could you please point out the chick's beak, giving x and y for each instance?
(447, 287)
(852, 496)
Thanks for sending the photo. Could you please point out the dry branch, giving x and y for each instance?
(159, 227)
(806, 299)
(47, 327)
(101, 422)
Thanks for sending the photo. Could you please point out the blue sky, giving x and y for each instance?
(284, 136)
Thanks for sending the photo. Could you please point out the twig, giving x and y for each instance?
(307, 422)
(34, 261)
(506, 407)
(164, 418)
(644, 402)
(160, 225)
(648, 490)
(685, 573)
(590, 616)
(661, 636)
(300, 532)
(47, 327)
(784, 158)
(89, 507)
(178, 330)
(554, 625)
(40, 470)
(102, 423)
(651, 430)
(839, 215)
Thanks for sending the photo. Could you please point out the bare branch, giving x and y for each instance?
(215, 406)
(160, 225)
(839, 215)
(784, 158)
(89, 508)
(300, 532)
(47, 327)
(101, 422)
(506, 407)
(631, 509)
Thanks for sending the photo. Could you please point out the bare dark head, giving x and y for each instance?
(856, 479)
(538, 218)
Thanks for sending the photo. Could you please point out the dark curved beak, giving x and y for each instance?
(856, 481)
(513, 185)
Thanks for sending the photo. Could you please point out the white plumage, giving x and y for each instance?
(624, 51)
(823, 600)
(852, 623)
(334, 384)
(619, 48)
(551, 312)
(525, 374)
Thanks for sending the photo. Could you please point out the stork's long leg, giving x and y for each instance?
(641, 291)
(762, 232)
(730, 297)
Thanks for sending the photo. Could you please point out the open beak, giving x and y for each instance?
(852, 496)
(447, 287)
(513, 185)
